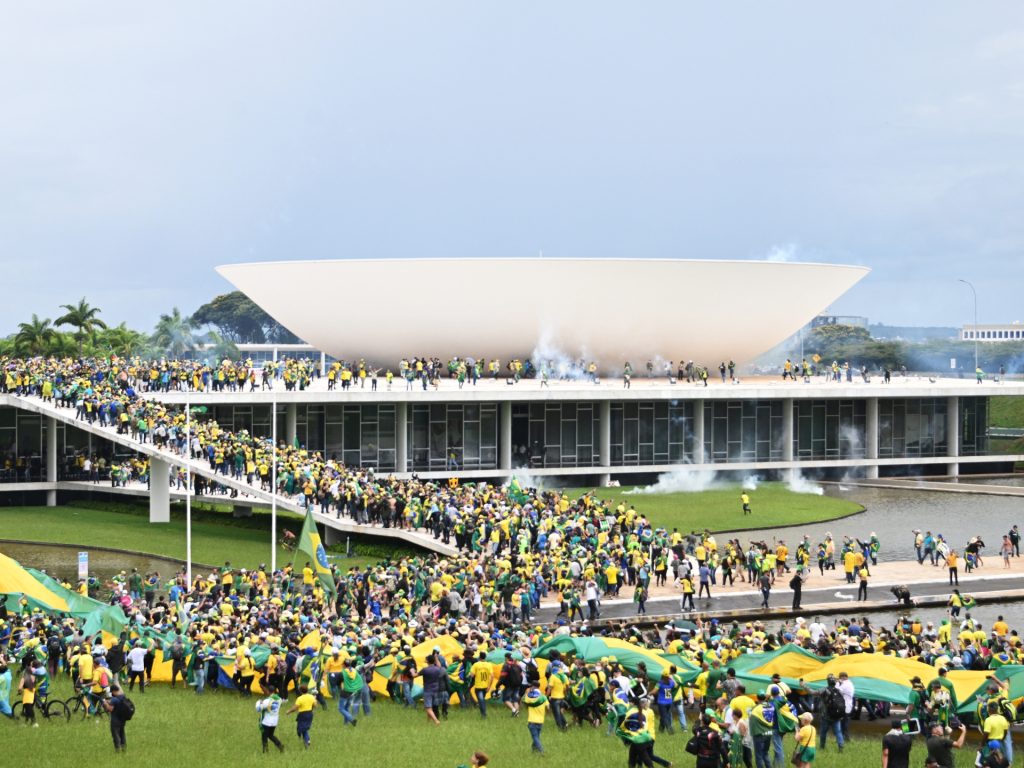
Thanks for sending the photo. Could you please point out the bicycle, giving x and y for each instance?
(55, 710)
(85, 704)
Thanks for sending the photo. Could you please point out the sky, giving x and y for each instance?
(142, 144)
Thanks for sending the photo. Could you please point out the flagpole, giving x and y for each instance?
(273, 479)
(188, 489)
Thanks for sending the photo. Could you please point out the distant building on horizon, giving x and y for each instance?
(994, 332)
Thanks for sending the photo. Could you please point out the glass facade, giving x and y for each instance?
(973, 426)
(743, 430)
(555, 434)
(911, 428)
(829, 429)
(647, 433)
(450, 436)
(552, 434)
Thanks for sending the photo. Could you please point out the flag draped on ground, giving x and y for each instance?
(310, 544)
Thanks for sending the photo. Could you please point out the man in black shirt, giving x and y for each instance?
(940, 746)
(896, 747)
(119, 710)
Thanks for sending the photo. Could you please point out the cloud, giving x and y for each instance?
(780, 253)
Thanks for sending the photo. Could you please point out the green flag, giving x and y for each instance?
(310, 544)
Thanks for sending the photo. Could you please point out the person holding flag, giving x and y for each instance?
(310, 544)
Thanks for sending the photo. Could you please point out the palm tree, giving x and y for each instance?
(122, 340)
(83, 318)
(221, 347)
(173, 334)
(35, 337)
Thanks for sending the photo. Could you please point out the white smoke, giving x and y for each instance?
(797, 483)
(547, 354)
(680, 481)
(526, 480)
(750, 482)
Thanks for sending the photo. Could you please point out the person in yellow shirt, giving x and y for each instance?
(862, 589)
(806, 740)
(536, 704)
(951, 563)
(303, 705)
(482, 675)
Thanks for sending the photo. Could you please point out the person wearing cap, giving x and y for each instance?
(806, 738)
(536, 704)
(137, 667)
(995, 725)
(940, 747)
(896, 746)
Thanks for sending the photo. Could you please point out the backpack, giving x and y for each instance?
(177, 653)
(53, 645)
(835, 705)
(127, 709)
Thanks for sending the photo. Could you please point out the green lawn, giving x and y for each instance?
(220, 729)
(216, 537)
(772, 504)
(1006, 411)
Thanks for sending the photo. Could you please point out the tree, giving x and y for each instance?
(35, 337)
(220, 348)
(173, 334)
(238, 319)
(121, 341)
(83, 318)
(832, 341)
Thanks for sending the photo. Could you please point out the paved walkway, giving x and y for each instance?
(929, 586)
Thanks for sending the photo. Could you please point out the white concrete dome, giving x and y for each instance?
(608, 310)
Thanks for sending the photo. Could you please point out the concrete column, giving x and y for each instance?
(291, 417)
(402, 437)
(871, 439)
(953, 435)
(698, 432)
(323, 364)
(159, 491)
(604, 439)
(787, 435)
(51, 460)
(505, 436)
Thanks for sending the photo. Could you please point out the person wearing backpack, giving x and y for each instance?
(121, 710)
(833, 710)
(54, 652)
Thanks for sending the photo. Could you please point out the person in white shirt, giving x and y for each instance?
(846, 688)
(137, 667)
(271, 709)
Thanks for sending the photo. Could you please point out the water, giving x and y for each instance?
(62, 561)
(894, 514)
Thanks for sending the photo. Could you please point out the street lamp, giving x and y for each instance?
(975, 293)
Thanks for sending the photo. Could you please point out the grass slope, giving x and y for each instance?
(215, 537)
(220, 729)
(719, 509)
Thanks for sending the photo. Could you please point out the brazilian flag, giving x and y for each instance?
(579, 692)
(633, 727)
(516, 492)
(310, 544)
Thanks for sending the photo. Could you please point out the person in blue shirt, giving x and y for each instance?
(665, 701)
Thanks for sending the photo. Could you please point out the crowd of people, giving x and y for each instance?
(516, 546)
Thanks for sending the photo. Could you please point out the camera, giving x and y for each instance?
(954, 722)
